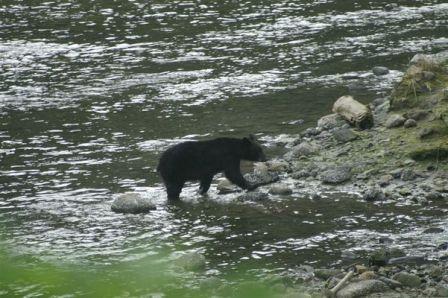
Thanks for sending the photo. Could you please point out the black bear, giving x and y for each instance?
(201, 160)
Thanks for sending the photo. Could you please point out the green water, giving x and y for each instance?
(91, 92)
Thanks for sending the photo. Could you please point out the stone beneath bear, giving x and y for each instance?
(261, 178)
(225, 187)
(132, 203)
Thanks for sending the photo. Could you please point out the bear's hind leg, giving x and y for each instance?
(205, 184)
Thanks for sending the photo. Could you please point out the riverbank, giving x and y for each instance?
(401, 160)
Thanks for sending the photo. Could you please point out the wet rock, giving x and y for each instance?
(132, 203)
(380, 70)
(344, 135)
(434, 195)
(417, 114)
(374, 194)
(385, 180)
(442, 291)
(311, 132)
(301, 150)
(410, 123)
(436, 272)
(407, 260)
(192, 261)
(367, 275)
(405, 191)
(253, 196)
(394, 120)
(280, 189)
(393, 284)
(336, 175)
(396, 173)
(349, 255)
(301, 174)
(362, 288)
(433, 231)
(225, 186)
(360, 269)
(391, 6)
(407, 279)
(382, 256)
(330, 121)
(443, 246)
(385, 240)
(261, 178)
(408, 175)
(326, 273)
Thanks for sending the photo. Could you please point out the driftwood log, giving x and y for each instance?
(354, 112)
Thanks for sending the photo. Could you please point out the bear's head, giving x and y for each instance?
(253, 150)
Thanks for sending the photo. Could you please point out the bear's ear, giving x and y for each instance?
(252, 138)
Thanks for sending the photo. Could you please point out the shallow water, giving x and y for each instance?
(92, 92)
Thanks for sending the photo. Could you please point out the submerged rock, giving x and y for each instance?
(132, 203)
(253, 196)
(374, 194)
(380, 70)
(192, 261)
(362, 288)
(336, 175)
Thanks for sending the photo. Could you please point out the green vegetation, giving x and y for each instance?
(423, 77)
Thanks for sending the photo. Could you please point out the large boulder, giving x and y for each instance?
(362, 288)
(132, 202)
(336, 175)
(302, 150)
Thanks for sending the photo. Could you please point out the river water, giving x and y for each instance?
(91, 92)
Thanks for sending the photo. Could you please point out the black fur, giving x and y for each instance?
(201, 160)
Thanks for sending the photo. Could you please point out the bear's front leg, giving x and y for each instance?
(205, 184)
(173, 190)
(234, 175)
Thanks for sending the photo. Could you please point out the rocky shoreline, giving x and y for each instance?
(400, 160)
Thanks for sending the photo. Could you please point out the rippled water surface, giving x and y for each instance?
(92, 91)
